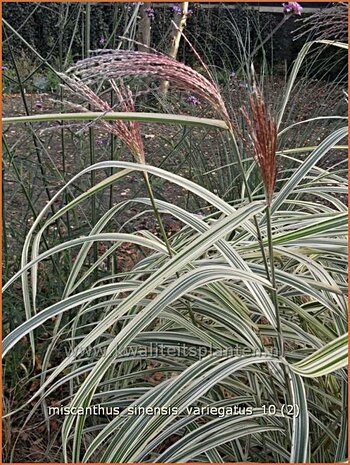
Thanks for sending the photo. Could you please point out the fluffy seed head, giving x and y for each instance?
(261, 140)
(119, 64)
(128, 132)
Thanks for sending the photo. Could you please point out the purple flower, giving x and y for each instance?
(176, 10)
(243, 85)
(287, 8)
(4, 68)
(192, 100)
(297, 8)
(100, 142)
(232, 75)
(102, 41)
(292, 7)
(149, 12)
(38, 104)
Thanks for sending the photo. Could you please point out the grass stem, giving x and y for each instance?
(156, 212)
(273, 281)
(250, 198)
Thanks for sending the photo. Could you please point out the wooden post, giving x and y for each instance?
(180, 21)
(144, 30)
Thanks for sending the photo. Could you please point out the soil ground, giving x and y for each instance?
(43, 167)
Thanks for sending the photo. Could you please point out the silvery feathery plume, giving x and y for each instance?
(329, 23)
(261, 139)
(119, 64)
(128, 132)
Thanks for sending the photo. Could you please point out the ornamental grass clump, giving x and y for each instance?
(261, 142)
(211, 297)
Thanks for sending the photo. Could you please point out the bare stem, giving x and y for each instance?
(156, 212)
(273, 281)
(250, 198)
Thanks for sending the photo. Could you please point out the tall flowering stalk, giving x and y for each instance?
(118, 64)
(128, 132)
(261, 142)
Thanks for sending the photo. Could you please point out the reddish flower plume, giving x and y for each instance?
(128, 132)
(262, 140)
(118, 64)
